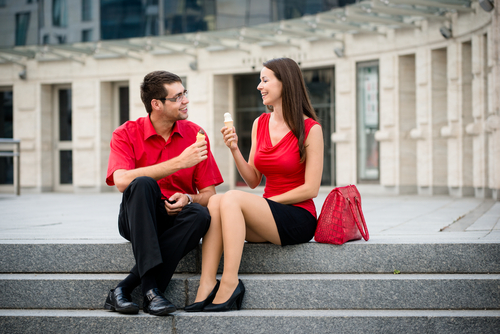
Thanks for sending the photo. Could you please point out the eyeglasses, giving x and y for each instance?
(178, 98)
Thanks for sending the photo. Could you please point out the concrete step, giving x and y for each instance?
(73, 291)
(76, 258)
(271, 291)
(312, 257)
(251, 321)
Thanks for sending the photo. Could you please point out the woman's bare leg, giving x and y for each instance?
(241, 212)
(211, 250)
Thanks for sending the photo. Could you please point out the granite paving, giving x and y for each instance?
(92, 218)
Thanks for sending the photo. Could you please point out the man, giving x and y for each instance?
(166, 178)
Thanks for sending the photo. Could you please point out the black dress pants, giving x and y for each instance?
(158, 240)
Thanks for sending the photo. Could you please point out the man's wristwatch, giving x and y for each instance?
(190, 199)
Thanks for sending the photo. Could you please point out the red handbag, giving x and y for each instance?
(341, 218)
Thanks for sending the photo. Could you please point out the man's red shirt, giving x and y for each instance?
(136, 144)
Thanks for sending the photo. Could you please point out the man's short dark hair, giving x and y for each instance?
(153, 86)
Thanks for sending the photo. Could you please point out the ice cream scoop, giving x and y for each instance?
(228, 120)
(200, 135)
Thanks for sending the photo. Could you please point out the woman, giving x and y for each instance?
(287, 147)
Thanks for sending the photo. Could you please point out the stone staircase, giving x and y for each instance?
(310, 288)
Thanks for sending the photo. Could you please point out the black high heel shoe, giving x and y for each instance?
(198, 307)
(234, 301)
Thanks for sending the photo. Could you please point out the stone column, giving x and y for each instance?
(86, 148)
(106, 127)
(137, 108)
(223, 103)
(27, 128)
(46, 140)
(201, 101)
(345, 116)
(459, 113)
(431, 109)
(493, 120)
(388, 117)
(439, 101)
(476, 128)
(421, 132)
(406, 121)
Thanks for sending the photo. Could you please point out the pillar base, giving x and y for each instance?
(482, 192)
(461, 191)
(435, 190)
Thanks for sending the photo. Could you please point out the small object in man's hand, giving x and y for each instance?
(200, 135)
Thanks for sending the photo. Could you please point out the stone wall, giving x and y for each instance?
(439, 104)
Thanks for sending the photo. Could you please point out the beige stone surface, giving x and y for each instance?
(439, 103)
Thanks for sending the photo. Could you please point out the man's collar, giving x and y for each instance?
(150, 131)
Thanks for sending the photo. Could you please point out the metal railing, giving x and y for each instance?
(16, 153)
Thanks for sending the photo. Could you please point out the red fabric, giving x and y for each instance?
(136, 144)
(280, 164)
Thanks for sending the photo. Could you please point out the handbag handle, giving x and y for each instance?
(364, 230)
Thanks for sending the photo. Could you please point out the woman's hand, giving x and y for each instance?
(230, 137)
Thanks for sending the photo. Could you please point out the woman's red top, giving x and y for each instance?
(280, 164)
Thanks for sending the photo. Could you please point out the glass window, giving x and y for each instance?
(6, 119)
(22, 25)
(87, 35)
(65, 114)
(6, 131)
(122, 19)
(248, 107)
(284, 10)
(61, 39)
(188, 16)
(59, 13)
(41, 15)
(123, 104)
(320, 85)
(66, 166)
(367, 121)
(151, 25)
(86, 10)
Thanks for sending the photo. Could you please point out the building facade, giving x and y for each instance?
(52, 22)
(407, 93)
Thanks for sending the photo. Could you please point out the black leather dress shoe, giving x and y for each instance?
(156, 304)
(120, 301)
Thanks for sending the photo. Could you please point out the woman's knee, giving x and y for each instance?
(214, 203)
(230, 198)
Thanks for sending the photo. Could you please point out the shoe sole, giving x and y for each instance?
(165, 311)
(132, 310)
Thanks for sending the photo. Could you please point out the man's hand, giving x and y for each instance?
(191, 156)
(194, 154)
(179, 201)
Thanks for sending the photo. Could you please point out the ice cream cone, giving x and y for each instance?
(200, 136)
(228, 122)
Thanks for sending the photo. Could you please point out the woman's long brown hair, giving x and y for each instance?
(295, 100)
